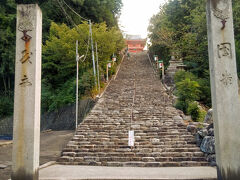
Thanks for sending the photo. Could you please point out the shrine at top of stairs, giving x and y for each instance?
(135, 43)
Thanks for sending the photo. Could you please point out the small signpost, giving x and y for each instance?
(109, 65)
(155, 58)
(131, 139)
(160, 64)
(114, 58)
(163, 71)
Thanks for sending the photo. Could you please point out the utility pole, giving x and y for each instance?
(163, 76)
(97, 69)
(94, 69)
(77, 59)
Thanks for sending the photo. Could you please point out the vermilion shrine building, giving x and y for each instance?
(135, 43)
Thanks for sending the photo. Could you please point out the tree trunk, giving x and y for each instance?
(5, 85)
(9, 86)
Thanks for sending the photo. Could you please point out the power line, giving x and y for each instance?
(71, 20)
(74, 11)
(65, 13)
(77, 28)
(91, 37)
(87, 48)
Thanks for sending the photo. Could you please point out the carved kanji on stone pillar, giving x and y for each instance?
(26, 132)
(224, 88)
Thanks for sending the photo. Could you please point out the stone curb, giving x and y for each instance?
(112, 78)
(127, 178)
(155, 73)
(50, 163)
(5, 143)
(119, 67)
(166, 88)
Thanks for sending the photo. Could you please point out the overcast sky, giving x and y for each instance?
(136, 14)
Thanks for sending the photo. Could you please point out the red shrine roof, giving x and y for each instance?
(135, 43)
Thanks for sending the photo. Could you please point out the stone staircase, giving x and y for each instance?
(135, 100)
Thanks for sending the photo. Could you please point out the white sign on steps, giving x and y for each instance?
(131, 138)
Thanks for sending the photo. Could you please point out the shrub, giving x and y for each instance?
(193, 110)
(187, 92)
(205, 91)
(6, 106)
(182, 75)
(204, 85)
(196, 112)
(112, 70)
(182, 105)
(202, 114)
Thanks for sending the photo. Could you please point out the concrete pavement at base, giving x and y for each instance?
(63, 172)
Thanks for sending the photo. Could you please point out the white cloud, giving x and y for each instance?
(136, 14)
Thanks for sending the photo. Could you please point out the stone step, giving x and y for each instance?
(136, 163)
(155, 148)
(129, 153)
(136, 133)
(101, 159)
(147, 143)
(137, 139)
(118, 149)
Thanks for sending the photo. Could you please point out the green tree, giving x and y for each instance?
(7, 45)
(59, 65)
(180, 29)
(59, 59)
(236, 18)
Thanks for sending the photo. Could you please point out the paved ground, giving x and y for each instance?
(61, 172)
(51, 145)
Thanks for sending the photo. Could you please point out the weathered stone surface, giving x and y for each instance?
(192, 129)
(27, 93)
(208, 145)
(187, 118)
(174, 66)
(3, 166)
(211, 158)
(211, 132)
(210, 126)
(203, 132)
(198, 139)
(148, 159)
(209, 117)
(177, 118)
(224, 87)
(136, 126)
(194, 123)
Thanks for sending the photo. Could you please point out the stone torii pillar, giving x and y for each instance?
(224, 88)
(27, 95)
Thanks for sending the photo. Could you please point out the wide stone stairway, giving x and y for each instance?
(135, 100)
